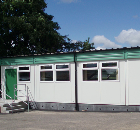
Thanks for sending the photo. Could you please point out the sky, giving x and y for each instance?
(108, 23)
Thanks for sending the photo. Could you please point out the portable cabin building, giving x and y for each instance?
(97, 80)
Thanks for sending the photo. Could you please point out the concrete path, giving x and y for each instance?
(55, 120)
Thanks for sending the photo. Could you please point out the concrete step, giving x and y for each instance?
(13, 107)
(12, 104)
(16, 110)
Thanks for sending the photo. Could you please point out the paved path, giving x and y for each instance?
(54, 120)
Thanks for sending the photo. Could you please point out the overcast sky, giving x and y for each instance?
(108, 23)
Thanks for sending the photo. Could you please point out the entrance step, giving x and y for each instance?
(17, 110)
(13, 107)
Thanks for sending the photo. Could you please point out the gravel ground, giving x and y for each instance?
(57, 120)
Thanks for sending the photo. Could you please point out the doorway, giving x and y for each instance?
(11, 80)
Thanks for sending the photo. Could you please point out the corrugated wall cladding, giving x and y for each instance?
(94, 56)
(17, 61)
(38, 59)
(130, 54)
(54, 58)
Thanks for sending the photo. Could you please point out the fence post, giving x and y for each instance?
(14, 92)
(28, 98)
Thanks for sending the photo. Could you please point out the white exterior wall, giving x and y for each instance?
(102, 92)
(30, 83)
(134, 82)
(62, 91)
(126, 91)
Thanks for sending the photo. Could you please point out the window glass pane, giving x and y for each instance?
(62, 66)
(90, 75)
(89, 65)
(46, 67)
(113, 64)
(24, 76)
(109, 74)
(62, 76)
(23, 68)
(46, 76)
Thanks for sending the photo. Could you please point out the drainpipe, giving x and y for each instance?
(76, 89)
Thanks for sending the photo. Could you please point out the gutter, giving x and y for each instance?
(76, 88)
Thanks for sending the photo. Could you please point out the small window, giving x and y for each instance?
(46, 73)
(89, 65)
(24, 76)
(109, 74)
(62, 76)
(90, 72)
(23, 68)
(46, 67)
(111, 64)
(62, 66)
(90, 75)
(110, 71)
(46, 76)
(62, 72)
(24, 73)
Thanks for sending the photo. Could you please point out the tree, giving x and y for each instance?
(26, 29)
(79, 46)
(87, 45)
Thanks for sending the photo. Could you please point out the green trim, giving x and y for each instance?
(17, 61)
(133, 54)
(53, 58)
(95, 56)
(112, 54)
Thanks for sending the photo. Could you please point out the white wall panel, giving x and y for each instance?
(102, 92)
(134, 82)
(62, 92)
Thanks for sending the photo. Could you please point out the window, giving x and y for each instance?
(24, 73)
(62, 72)
(90, 71)
(109, 71)
(46, 73)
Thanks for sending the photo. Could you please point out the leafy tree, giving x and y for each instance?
(25, 28)
(87, 45)
(79, 46)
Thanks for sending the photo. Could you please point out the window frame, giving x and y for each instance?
(114, 67)
(65, 69)
(92, 68)
(45, 70)
(24, 71)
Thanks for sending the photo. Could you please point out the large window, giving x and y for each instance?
(90, 71)
(23, 73)
(109, 71)
(62, 72)
(46, 73)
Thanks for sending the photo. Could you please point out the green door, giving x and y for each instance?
(11, 79)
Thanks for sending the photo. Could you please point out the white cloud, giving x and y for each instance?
(102, 42)
(130, 36)
(98, 48)
(74, 41)
(68, 1)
